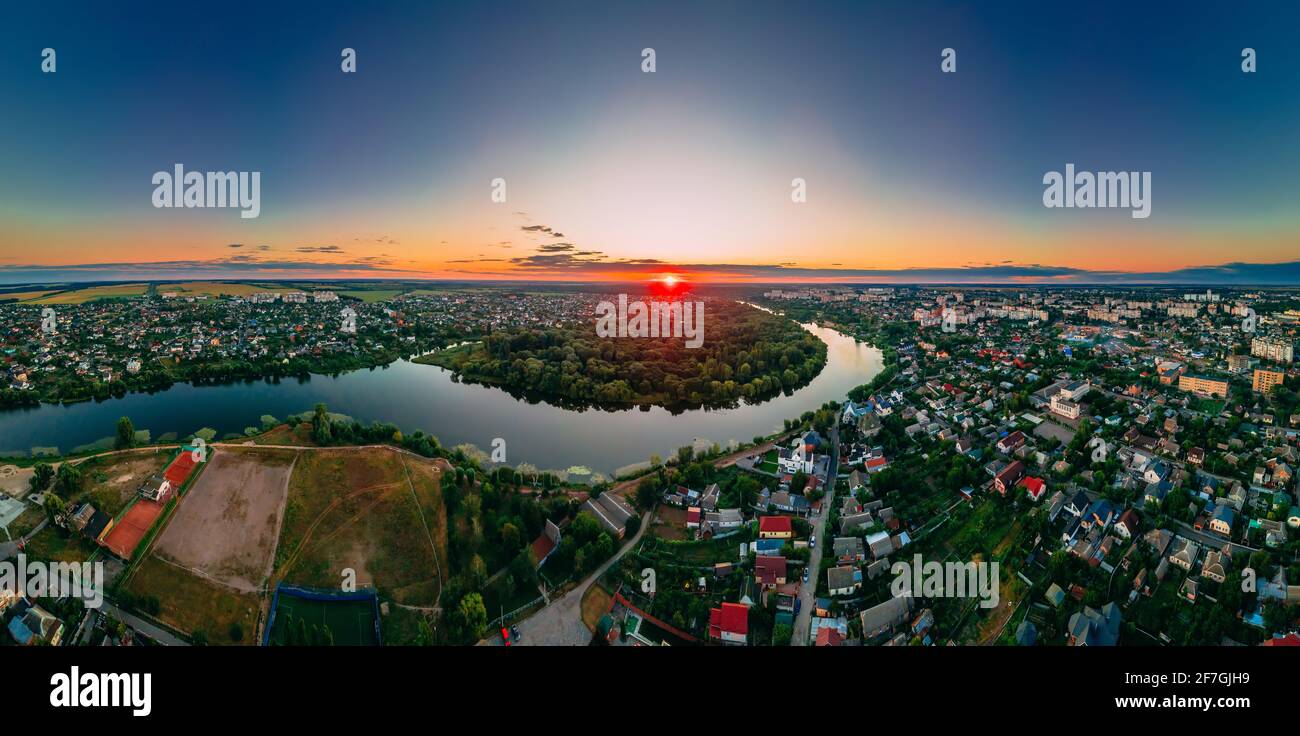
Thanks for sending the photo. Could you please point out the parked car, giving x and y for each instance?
(812, 542)
(805, 574)
(505, 636)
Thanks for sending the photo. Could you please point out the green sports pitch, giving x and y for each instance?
(304, 621)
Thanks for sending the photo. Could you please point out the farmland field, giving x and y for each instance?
(81, 296)
(214, 288)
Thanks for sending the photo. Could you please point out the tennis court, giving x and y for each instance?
(127, 532)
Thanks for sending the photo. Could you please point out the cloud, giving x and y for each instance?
(571, 264)
(318, 249)
(235, 266)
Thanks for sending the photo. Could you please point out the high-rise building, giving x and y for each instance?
(1276, 349)
(1264, 381)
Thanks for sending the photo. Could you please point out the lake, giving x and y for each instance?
(415, 396)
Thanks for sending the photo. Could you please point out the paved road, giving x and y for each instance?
(158, 634)
(808, 591)
(560, 622)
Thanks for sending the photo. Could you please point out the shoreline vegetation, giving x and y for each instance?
(747, 354)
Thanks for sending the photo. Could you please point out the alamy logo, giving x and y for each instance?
(1111, 189)
(653, 319)
(181, 188)
(946, 580)
(94, 690)
(35, 579)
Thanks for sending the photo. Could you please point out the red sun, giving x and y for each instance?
(668, 283)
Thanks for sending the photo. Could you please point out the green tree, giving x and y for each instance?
(53, 505)
(42, 476)
(474, 615)
(321, 426)
(125, 434)
(69, 480)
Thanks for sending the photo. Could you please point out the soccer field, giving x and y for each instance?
(351, 621)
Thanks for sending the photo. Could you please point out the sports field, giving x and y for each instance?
(303, 621)
(227, 527)
(127, 532)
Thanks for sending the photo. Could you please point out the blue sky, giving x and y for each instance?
(908, 169)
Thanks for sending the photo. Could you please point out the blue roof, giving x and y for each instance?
(20, 632)
(1224, 513)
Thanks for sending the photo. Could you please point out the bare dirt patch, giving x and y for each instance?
(669, 523)
(227, 525)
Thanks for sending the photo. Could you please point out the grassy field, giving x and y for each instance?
(595, 603)
(213, 288)
(26, 522)
(53, 544)
(192, 604)
(372, 295)
(93, 293)
(352, 623)
(23, 296)
(284, 435)
(356, 510)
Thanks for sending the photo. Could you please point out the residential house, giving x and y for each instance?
(769, 571)
(1222, 519)
(1008, 477)
(775, 527)
(1215, 566)
(1011, 442)
(1091, 627)
(729, 623)
(881, 618)
(843, 580)
(849, 550)
(1184, 554)
(1127, 526)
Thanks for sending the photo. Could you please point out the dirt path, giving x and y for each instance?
(433, 546)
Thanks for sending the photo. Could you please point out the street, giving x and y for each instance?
(808, 590)
(560, 622)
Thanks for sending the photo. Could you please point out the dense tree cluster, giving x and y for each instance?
(746, 354)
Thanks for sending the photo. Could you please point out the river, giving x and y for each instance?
(415, 396)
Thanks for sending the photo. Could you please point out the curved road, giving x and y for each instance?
(560, 622)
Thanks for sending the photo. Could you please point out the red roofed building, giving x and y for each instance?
(730, 623)
(1290, 640)
(775, 527)
(877, 464)
(693, 517)
(1008, 477)
(829, 636)
(769, 570)
(1035, 486)
(545, 543)
(1008, 444)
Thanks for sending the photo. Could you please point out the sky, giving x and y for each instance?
(911, 174)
